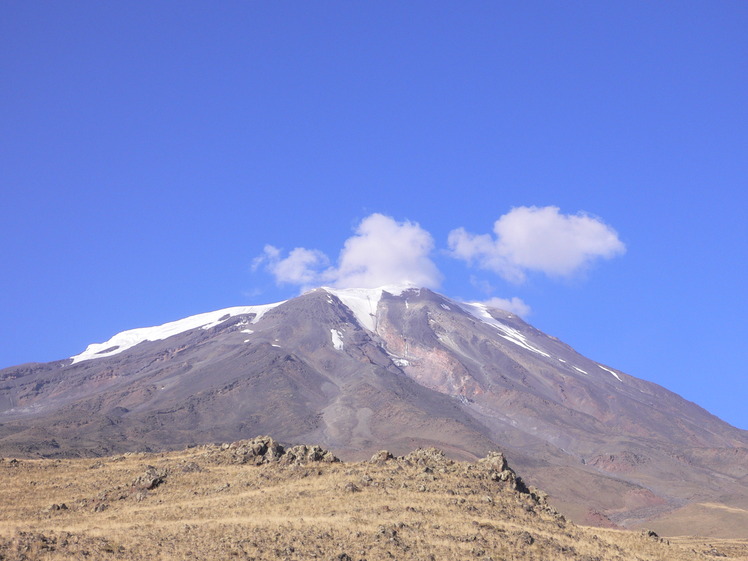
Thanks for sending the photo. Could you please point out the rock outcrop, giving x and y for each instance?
(150, 479)
(265, 450)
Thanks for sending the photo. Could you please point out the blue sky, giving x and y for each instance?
(151, 151)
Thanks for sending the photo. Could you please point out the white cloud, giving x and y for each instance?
(270, 254)
(300, 267)
(537, 239)
(514, 305)
(382, 251)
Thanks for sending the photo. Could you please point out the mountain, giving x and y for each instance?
(357, 370)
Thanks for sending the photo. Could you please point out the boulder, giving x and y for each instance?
(150, 479)
(381, 457)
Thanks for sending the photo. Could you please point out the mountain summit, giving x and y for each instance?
(357, 370)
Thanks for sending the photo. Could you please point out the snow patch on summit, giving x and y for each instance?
(128, 339)
(363, 302)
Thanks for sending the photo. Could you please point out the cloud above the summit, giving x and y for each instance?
(382, 251)
(300, 267)
(514, 305)
(539, 239)
(385, 251)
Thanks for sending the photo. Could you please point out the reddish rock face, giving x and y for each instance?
(358, 371)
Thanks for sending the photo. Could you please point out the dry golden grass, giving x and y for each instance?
(421, 507)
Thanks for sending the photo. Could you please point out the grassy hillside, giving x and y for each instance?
(254, 500)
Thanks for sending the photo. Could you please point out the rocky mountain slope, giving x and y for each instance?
(256, 500)
(396, 368)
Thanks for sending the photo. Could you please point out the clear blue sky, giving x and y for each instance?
(151, 150)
